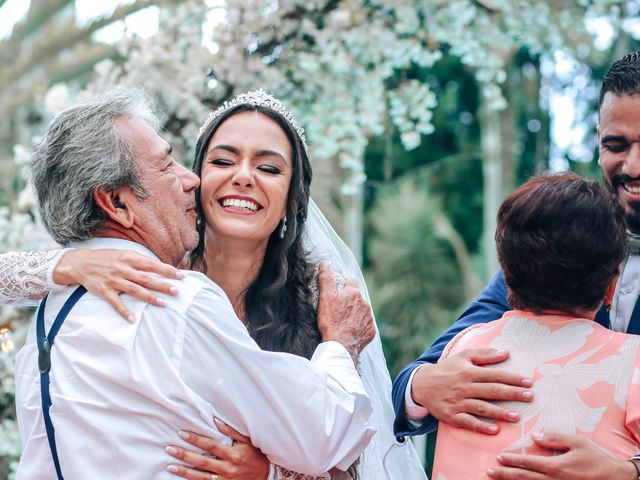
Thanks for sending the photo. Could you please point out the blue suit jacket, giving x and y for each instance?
(488, 306)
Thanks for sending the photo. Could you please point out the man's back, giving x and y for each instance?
(117, 394)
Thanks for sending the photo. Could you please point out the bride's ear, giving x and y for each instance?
(115, 205)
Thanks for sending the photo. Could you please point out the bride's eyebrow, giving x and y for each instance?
(271, 153)
(228, 148)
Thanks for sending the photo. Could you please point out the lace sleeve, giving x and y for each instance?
(26, 277)
(276, 472)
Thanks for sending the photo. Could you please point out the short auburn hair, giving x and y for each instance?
(560, 241)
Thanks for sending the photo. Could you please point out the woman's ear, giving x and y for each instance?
(611, 290)
(114, 204)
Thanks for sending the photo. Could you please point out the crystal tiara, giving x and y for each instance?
(257, 98)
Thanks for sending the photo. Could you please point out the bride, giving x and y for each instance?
(261, 240)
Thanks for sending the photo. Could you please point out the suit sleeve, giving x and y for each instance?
(489, 305)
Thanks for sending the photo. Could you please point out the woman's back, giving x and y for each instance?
(585, 382)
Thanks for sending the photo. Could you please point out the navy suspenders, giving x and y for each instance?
(45, 343)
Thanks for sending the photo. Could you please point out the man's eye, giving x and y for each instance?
(615, 147)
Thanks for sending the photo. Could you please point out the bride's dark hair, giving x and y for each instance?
(278, 308)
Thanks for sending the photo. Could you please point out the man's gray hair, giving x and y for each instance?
(83, 151)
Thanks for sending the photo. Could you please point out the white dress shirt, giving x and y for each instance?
(626, 294)
(121, 391)
(624, 301)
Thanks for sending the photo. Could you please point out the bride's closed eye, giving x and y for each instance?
(270, 169)
(221, 162)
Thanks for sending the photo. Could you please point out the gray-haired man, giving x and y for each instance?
(118, 393)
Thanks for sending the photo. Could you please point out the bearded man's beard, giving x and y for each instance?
(631, 209)
(632, 215)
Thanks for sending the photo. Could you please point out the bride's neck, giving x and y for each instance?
(233, 264)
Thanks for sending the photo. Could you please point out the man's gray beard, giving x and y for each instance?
(633, 217)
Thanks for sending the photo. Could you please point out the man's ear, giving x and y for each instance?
(115, 204)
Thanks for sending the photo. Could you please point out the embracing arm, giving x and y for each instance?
(308, 416)
(26, 277)
(239, 461)
(430, 385)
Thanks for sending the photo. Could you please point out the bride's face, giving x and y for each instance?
(246, 172)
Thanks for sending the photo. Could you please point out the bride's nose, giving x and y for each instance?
(243, 176)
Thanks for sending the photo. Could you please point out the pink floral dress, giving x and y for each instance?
(585, 383)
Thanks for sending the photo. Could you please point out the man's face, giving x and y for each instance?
(619, 147)
(166, 220)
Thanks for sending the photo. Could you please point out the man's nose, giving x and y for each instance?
(190, 181)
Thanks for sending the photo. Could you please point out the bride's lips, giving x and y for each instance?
(239, 204)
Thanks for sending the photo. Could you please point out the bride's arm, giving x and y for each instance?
(26, 277)
(239, 461)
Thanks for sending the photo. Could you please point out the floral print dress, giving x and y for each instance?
(585, 383)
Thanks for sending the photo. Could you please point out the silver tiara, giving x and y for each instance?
(257, 98)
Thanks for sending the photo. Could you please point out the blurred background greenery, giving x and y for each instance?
(421, 115)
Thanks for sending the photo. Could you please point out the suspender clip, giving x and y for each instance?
(44, 357)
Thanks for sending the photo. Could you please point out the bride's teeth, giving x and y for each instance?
(235, 202)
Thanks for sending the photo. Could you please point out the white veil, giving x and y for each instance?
(384, 458)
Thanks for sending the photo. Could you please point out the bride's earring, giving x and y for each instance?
(283, 228)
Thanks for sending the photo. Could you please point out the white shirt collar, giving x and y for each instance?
(114, 243)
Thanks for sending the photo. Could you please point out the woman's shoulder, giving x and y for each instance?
(468, 338)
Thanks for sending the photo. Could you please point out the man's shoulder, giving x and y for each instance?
(192, 284)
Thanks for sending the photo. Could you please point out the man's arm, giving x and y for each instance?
(307, 416)
(490, 304)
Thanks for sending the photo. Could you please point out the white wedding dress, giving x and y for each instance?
(25, 277)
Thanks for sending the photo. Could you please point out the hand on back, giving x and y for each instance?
(459, 390)
(574, 458)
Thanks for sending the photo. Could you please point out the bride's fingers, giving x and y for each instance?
(152, 265)
(141, 293)
(111, 293)
(231, 432)
(144, 287)
(207, 444)
(114, 300)
(190, 473)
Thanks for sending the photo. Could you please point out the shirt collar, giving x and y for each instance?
(634, 243)
(114, 243)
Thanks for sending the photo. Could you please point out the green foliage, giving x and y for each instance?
(451, 154)
(416, 282)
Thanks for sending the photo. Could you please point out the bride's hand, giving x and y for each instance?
(240, 461)
(108, 273)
